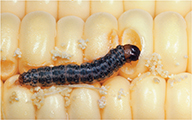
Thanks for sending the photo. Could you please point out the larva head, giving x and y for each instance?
(132, 52)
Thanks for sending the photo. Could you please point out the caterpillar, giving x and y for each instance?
(97, 70)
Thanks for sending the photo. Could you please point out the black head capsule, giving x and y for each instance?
(132, 52)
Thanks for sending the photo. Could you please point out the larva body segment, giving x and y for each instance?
(97, 70)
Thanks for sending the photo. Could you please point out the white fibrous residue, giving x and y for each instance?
(64, 90)
(40, 94)
(121, 93)
(154, 63)
(83, 43)
(17, 53)
(175, 79)
(59, 54)
(102, 102)
(13, 97)
(103, 90)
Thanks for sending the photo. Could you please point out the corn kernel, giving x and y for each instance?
(179, 97)
(117, 99)
(38, 30)
(16, 99)
(170, 41)
(135, 27)
(10, 25)
(99, 30)
(69, 32)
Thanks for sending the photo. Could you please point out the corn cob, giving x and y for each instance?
(152, 92)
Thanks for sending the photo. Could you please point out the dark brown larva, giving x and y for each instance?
(97, 70)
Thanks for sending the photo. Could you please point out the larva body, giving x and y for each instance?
(97, 70)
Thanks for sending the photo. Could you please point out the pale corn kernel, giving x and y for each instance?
(148, 97)
(179, 97)
(188, 19)
(16, 7)
(180, 6)
(10, 25)
(84, 104)
(148, 5)
(53, 108)
(170, 41)
(136, 27)
(49, 6)
(38, 30)
(117, 99)
(99, 29)
(79, 8)
(113, 7)
(15, 101)
(69, 32)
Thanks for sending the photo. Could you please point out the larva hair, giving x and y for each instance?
(97, 70)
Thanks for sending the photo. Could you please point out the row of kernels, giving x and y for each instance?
(83, 8)
(147, 97)
(151, 97)
(9, 43)
(37, 40)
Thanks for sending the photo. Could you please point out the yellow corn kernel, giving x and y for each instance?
(79, 8)
(10, 25)
(16, 7)
(53, 108)
(38, 31)
(49, 6)
(69, 40)
(17, 102)
(117, 99)
(188, 19)
(170, 41)
(179, 97)
(84, 104)
(148, 97)
(100, 31)
(180, 6)
(147, 5)
(136, 27)
(113, 7)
